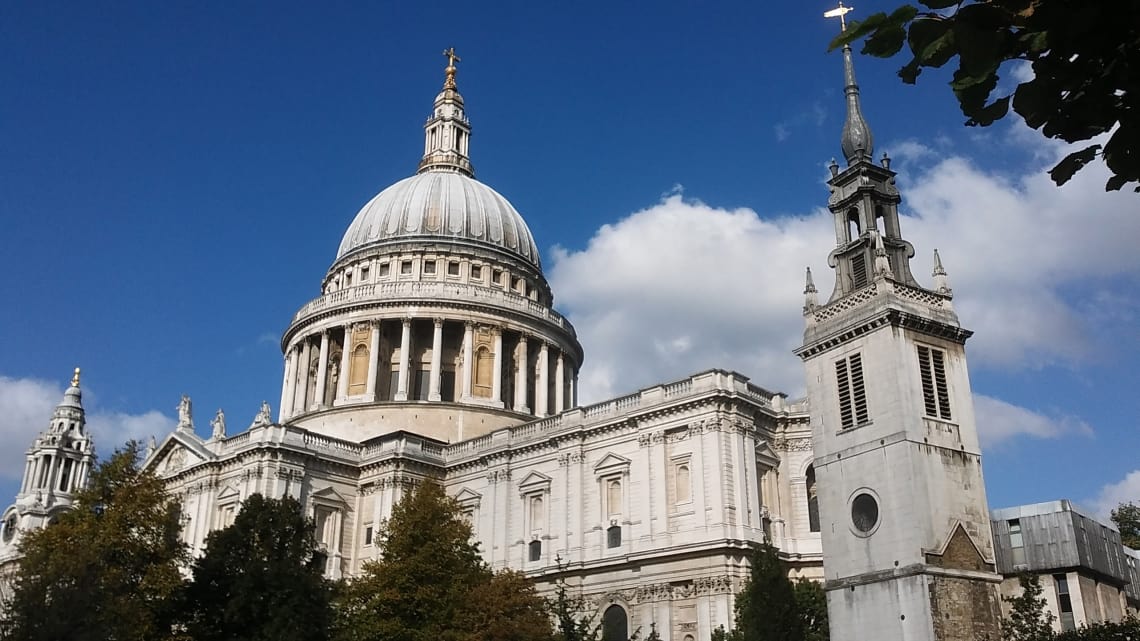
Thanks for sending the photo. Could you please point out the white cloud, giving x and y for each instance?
(26, 406)
(999, 421)
(681, 285)
(1126, 490)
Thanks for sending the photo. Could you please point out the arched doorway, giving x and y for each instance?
(615, 624)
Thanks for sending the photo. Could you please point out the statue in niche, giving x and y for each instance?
(218, 423)
(262, 417)
(334, 370)
(185, 414)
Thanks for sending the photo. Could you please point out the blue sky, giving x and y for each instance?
(176, 179)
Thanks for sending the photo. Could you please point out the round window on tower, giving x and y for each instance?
(9, 528)
(864, 513)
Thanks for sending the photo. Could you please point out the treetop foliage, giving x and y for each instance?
(1127, 519)
(261, 578)
(1085, 58)
(1029, 616)
(106, 570)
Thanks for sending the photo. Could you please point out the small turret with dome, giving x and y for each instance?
(57, 465)
(435, 316)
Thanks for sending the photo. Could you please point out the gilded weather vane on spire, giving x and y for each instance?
(452, 58)
(839, 12)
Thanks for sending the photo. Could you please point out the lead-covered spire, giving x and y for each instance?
(857, 141)
(447, 132)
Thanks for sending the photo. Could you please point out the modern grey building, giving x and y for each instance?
(1087, 574)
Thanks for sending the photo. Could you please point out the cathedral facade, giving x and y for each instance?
(433, 352)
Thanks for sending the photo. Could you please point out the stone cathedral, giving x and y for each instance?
(433, 351)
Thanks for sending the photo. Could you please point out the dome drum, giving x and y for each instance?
(415, 355)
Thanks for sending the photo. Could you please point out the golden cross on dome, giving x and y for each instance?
(452, 58)
(75, 378)
(449, 83)
(839, 12)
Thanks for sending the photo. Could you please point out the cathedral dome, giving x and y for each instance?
(441, 205)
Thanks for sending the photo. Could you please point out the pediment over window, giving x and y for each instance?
(329, 497)
(468, 498)
(611, 464)
(534, 482)
(229, 494)
(765, 455)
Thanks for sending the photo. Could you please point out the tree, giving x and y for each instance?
(1085, 58)
(811, 603)
(569, 613)
(261, 578)
(431, 583)
(766, 609)
(506, 608)
(1126, 516)
(1029, 619)
(107, 570)
(1126, 630)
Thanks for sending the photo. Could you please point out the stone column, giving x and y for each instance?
(497, 378)
(559, 385)
(303, 377)
(468, 355)
(520, 377)
(29, 465)
(345, 354)
(289, 386)
(574, 389)
(322, 372)
(436, 360)
(542, 382)
(373, 361)
(405, 360)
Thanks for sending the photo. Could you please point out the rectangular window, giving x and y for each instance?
(422, 385)
(613, 536)
(406, 267)
(852, 393)
(364, 274)
(429, 266)
(497, 277)
(535, 550)
(1016, 542)
(932, 371)
(476, 272)
(1065, 603)
(453, 268)
(393, 384)
(859, 270)
(385, 269)
(368, 535)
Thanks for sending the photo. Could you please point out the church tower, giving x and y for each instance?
(57, 465)
(907, 548)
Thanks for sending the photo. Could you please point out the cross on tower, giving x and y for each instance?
(839, 12)
(452, 58)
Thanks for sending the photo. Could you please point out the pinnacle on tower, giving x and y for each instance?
(941, 282)
(811, 300)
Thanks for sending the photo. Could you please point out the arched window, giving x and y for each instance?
(537, 515)
(812, 500)
(683, 480)
(854, 224)
(615, 624)
(535, 550)
(358, 370)
(484, 372)
(613, 497)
